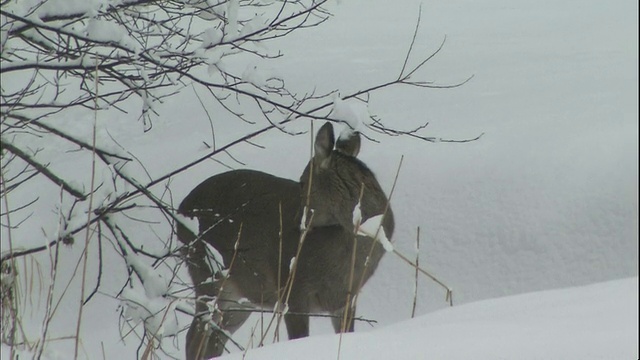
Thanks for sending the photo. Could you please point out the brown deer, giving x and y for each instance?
(255, 222)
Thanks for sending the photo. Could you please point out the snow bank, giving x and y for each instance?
(593, 322)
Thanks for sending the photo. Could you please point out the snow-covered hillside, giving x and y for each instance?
(592, 322)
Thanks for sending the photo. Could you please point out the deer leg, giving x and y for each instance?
(297, 325)
(297, 319)
(209, 332)
(211, 343)
(200, 343)
(206, 340)
(338, 320)
(198, 340)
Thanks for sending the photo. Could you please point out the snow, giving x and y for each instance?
(353, 112)
(256, 23)
(373, 228)
(357, 214)
(150, 304)
(592, 322)
(254, 75)
(104, 31)
(211, 37)
(545, 201)
(52, 8)
(303, 218)
(158, 314)
(231, 28)
(154, 283)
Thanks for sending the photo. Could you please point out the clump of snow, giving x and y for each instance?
(303, 220)
(148, 103)
(223, 273)
(211, 37)
(357, 215)
(292, 262)
(102, 30)
(231, 29)
(353, 112)
(150, 304)
(211, 56)
(108, 31)
(155, 284)
(157, 313)
(107, 184)
(254, 76)
(373, 229)
(199, 53)
(256, 23)
(39, 9)
(244, 300)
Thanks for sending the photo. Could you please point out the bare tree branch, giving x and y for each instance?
(42, 169)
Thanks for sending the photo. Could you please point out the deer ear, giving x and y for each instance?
(324, 142)
(349, 143)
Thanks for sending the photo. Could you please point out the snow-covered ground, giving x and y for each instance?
(546, 199)
(592, 322)
(598, 321)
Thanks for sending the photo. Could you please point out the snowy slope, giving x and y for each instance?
(584, 323)
(598, 321)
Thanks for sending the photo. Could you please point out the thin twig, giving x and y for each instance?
(87, 237)
(415, 289)
(449, 291)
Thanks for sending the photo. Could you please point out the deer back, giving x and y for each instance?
(258, 211)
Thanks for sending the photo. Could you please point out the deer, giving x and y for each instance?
(261, 225)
